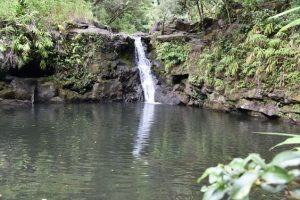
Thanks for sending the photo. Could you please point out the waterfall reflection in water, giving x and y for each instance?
(146, 121)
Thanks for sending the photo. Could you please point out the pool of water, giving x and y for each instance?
(121, 151)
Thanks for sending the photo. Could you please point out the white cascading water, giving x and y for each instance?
(144, 66)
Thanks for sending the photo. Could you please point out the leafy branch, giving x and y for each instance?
(235, 180)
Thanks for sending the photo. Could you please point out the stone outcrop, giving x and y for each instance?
(114, 76)
(175, 87)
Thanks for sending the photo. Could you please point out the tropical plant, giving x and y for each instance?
(172, 53)
(291, 24)
(235, 180)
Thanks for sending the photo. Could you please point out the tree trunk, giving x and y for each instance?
(227, 10)
(163, 26)
(199, 10)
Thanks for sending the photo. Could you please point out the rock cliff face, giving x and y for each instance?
(175, 85)
(92, 65)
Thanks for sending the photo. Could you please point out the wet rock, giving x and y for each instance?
(216, 106)
(277, 95)
(179, 37)
(56, 100)
(209, 23)
(12, 103)
(101, 26)
(7, 94)
(46, 91)
(24, 89)
(269, 109)
(295, 97)
(291, 109)
(157, 26)
(256, 94)
(217, 102)
(182, 25)
(108, 90)
(163, 94)
(70, 96)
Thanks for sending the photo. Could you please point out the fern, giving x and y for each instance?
(172, 53)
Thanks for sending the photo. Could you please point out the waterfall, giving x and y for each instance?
(144, 67)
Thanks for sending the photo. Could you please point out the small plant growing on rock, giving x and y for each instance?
(172, 53)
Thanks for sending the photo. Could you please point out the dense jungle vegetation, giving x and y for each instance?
(256, 52)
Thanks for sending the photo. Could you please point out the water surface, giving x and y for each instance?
(121, 151)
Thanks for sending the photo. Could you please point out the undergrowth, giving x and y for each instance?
(253, 55)
(172, 53)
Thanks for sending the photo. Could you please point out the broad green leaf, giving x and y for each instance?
(256, 159)
(293, 140)
(286, 12)
(213, 171)
(272, 189)
(277, 134)
(236, 166)
(287, 159)
(214, 192)
(204, 175)
(290, 25)
(276, 175)
(242, 186)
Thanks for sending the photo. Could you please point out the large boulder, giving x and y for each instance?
(269, 109)
(182, 25)
(46, 91)
(24, 89)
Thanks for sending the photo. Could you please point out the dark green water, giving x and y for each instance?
(120, 151)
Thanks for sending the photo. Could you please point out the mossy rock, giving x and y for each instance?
(70, 96)
(291, 109)
(7, 94)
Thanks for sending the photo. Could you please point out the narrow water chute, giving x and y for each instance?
(144, 66)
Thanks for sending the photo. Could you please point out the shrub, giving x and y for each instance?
(172, 53)
(48, 12)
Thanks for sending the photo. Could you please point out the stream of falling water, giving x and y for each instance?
(144, 66)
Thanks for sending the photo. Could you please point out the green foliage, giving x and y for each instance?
(26, 41)
(8, 9)
(126, 16)
(256, 54)
(47, 12)
(236, 179)
(25, 35)
(292, 139)
(292, 23)
(72, 63)
(172, 53)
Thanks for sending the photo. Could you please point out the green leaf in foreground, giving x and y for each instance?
(276, 175)
(287, 159)
(292, 140)
(286, 12)
(242, 186)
